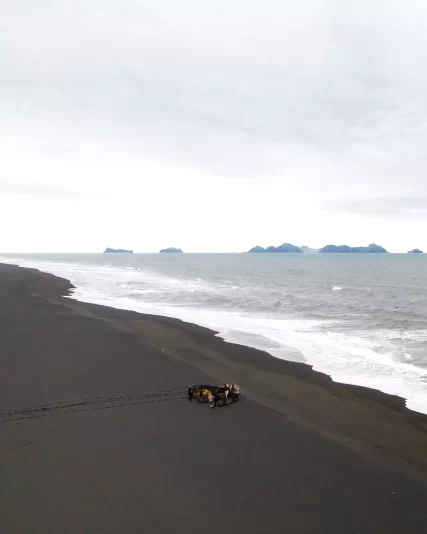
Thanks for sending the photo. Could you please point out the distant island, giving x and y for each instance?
(329, 249)
(172, 250)
(117, 251)
(345, 249)
(415, 251)
(285, 248)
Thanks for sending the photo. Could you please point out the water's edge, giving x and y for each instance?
(242, 329)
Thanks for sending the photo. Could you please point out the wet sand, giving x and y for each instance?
(96, 434)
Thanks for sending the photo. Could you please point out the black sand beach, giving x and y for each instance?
(96, 435)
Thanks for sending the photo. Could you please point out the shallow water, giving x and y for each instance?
(360, 318)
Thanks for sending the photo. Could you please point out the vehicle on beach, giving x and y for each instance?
(229, 391)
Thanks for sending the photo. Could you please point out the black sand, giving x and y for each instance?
(298, 453)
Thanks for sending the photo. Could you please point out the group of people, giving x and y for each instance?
(214, 398)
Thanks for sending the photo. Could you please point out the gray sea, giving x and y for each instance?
(360, 318)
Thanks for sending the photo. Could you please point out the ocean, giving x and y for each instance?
(360, 318)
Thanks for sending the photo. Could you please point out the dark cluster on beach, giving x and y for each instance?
(216, 396)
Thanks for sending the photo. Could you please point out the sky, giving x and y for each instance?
(212, 126)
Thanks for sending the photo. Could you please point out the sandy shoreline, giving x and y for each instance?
(146, 459)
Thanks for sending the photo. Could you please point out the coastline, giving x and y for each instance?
(59, 349)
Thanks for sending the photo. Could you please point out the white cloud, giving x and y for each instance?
(211, 126)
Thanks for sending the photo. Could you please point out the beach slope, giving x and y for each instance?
(97, 435)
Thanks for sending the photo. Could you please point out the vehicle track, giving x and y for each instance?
(90, 404)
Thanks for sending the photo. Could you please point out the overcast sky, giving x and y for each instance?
(212, 125)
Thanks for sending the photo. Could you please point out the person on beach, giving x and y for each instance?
(211, 400)
(190, 393)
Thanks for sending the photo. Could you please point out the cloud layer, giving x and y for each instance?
(213, 125)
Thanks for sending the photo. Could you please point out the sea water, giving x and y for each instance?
(361, 318)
